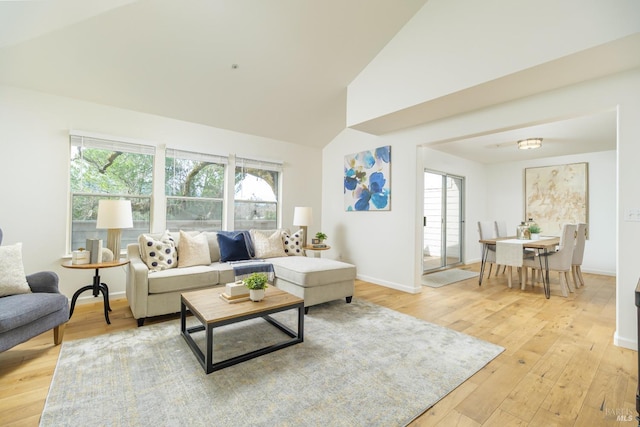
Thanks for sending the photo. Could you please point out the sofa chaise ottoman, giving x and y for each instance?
(154, 290)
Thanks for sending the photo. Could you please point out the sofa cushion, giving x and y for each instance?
(214, 249)
(12, 278)
(194, 250)
(293, 243)
(159, 253)
(183, 279)
(268, 243)
(233, 246)
(20, 310)
(310, 272)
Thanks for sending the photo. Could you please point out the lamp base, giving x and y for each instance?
(113, 242)
(304, 232)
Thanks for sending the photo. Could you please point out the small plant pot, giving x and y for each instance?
(535, 236)
(256, 294)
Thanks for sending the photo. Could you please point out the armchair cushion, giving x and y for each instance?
(29, 308)
(13, 281)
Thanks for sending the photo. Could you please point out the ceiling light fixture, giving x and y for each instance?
(530, 143)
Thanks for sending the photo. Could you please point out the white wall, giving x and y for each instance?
(452, 45)
(369, 239)
(506, 202)
(34, 142)
(390, 260)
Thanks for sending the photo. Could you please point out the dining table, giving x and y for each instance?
(540, 247)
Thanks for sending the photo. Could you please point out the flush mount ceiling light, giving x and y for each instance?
(530, 143)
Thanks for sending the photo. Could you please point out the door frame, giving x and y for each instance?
(443, 227)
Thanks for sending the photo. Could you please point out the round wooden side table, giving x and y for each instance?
(96, 286)
(316, 254)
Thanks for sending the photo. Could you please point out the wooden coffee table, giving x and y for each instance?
(212, 312)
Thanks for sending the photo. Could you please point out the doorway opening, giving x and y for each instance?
(443, 221)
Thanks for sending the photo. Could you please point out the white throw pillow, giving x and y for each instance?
(12, 278)
(293, 243)
(159, 254)
(193, 250)
(267, 244)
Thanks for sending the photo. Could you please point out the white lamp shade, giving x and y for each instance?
(302, 216)
(114, 214)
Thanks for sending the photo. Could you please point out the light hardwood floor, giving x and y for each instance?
(559, 367)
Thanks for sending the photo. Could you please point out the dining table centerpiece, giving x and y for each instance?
(534, 231)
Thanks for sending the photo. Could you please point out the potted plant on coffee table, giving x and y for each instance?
(257, 283)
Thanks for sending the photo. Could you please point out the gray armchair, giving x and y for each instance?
(25, 316)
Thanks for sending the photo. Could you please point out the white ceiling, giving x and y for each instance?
(173, 58)
(294, 60)
(585, 134)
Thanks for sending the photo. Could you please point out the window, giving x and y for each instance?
(194, 186)
(256, 194)
(104, 169)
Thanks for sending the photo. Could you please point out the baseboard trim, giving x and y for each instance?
(624, 342)
(392, 285)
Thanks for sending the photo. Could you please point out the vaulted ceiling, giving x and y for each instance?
(277, 68)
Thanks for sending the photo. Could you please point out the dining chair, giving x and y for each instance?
(578, 254)
(501, 231)
(487, 231)
(560, 260)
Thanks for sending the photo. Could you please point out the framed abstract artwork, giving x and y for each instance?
(367, 180)
(555, 195)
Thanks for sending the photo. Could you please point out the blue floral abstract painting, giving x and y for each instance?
(367, 180)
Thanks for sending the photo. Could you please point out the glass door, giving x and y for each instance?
(443, 220)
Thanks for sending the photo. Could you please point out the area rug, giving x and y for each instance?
(359, 365)
(447, 277)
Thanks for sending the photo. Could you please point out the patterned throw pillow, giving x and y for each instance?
(293, 243)
(159, 254)
(193, 250)
(267, 244)
(12, 278)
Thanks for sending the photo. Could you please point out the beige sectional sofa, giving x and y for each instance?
(154, 293)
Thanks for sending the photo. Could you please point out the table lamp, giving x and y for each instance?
(114, 215)
(302, 217)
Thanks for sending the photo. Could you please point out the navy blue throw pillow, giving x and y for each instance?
(232, 247)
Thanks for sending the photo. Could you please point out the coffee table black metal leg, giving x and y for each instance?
(301, 312)
(208, 360)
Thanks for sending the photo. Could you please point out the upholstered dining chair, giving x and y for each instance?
(560, 260)
(487, 231)
(578, 254)
(501, 231)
